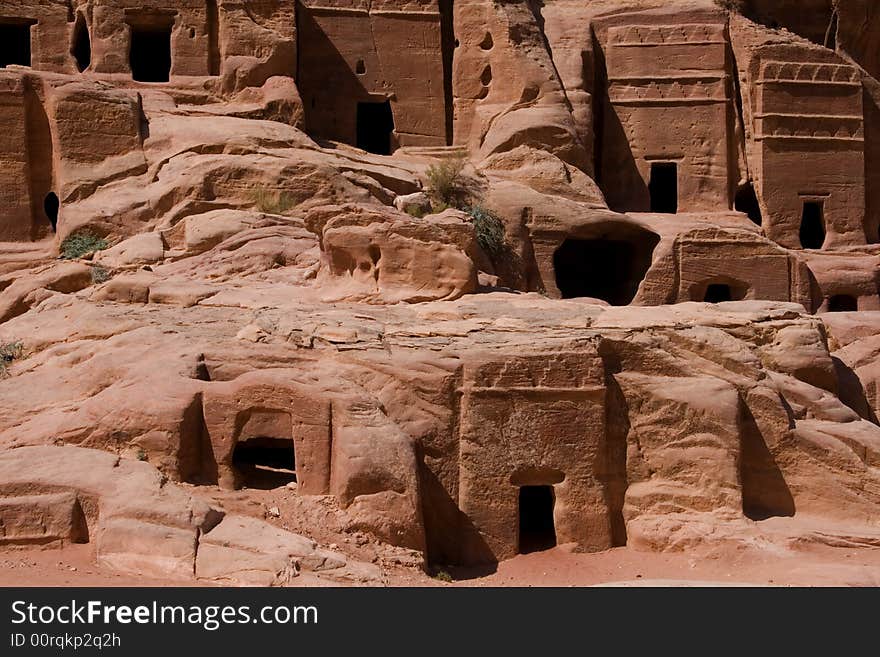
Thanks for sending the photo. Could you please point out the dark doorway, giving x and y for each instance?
(842, 303)
(746, 201)
(375, 123)
(81, 48)
(536, 528)
(15, 44)
(664, 187)
(718, 293)
(150, 53)
(51, 206)
(813, 225)
(609, 268)
(264, 462)
(213, 21)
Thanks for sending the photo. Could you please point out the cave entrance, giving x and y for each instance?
(81, 48)
(718, 293)
(663, 187)
(15, 43)
(843, 303)
(812, 232)
(610, 267)
(537, 530)
(719, 290)
(375, 123)
(746, 201)
(265, 462)
(51, 206)
(150, 52)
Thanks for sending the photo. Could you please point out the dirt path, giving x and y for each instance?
(818, 566)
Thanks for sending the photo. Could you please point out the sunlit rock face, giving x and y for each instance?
(470, 278)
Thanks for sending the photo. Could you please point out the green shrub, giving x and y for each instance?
(141, 455)
(100, 275)
(442, 576)
(81, 244)
(272, 201)
(9, 352)
(447, 184)
(489, 229)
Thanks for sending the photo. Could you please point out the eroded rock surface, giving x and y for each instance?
(470, 279)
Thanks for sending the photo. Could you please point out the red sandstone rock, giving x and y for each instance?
(651, 320)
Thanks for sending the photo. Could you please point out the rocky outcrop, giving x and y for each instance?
(142, 524)
(469, 278)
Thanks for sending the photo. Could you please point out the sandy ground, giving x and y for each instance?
(817, 566)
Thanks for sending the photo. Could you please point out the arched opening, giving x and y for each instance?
(746, 201)
(537, 530)
(15, 43)
(663, 187)
(719, 290)
(718, 293)
(264, 462)
(610, 266)
(150, 52)
(51, 206)
(81, 48)
(843, 303)
(812, 233)
(375, 123)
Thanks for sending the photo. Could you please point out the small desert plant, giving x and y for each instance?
(9, 352)
(141, 455)
(82, 243)
(272, 201)
(100, 275)
(447, 184)
(489, 229)
(442, 576)
(736, 6)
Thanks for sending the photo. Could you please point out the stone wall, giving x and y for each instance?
(356, 52)
(669, 99)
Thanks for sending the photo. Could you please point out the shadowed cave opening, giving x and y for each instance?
(15, 44)
(718, 293)
(375, 123)
(812, 233)
(720, 289)
(81, 49)
(663, 187)
(150, 53)
(610, 267)
(537, 530)
(843, 303)
(746, 201)
(265, 462)
(51, 206)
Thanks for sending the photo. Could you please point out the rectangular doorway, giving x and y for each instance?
(375, 123)
(812, 233)
(537, 529)
(15, 44)
(663, 187)
(150, 53)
